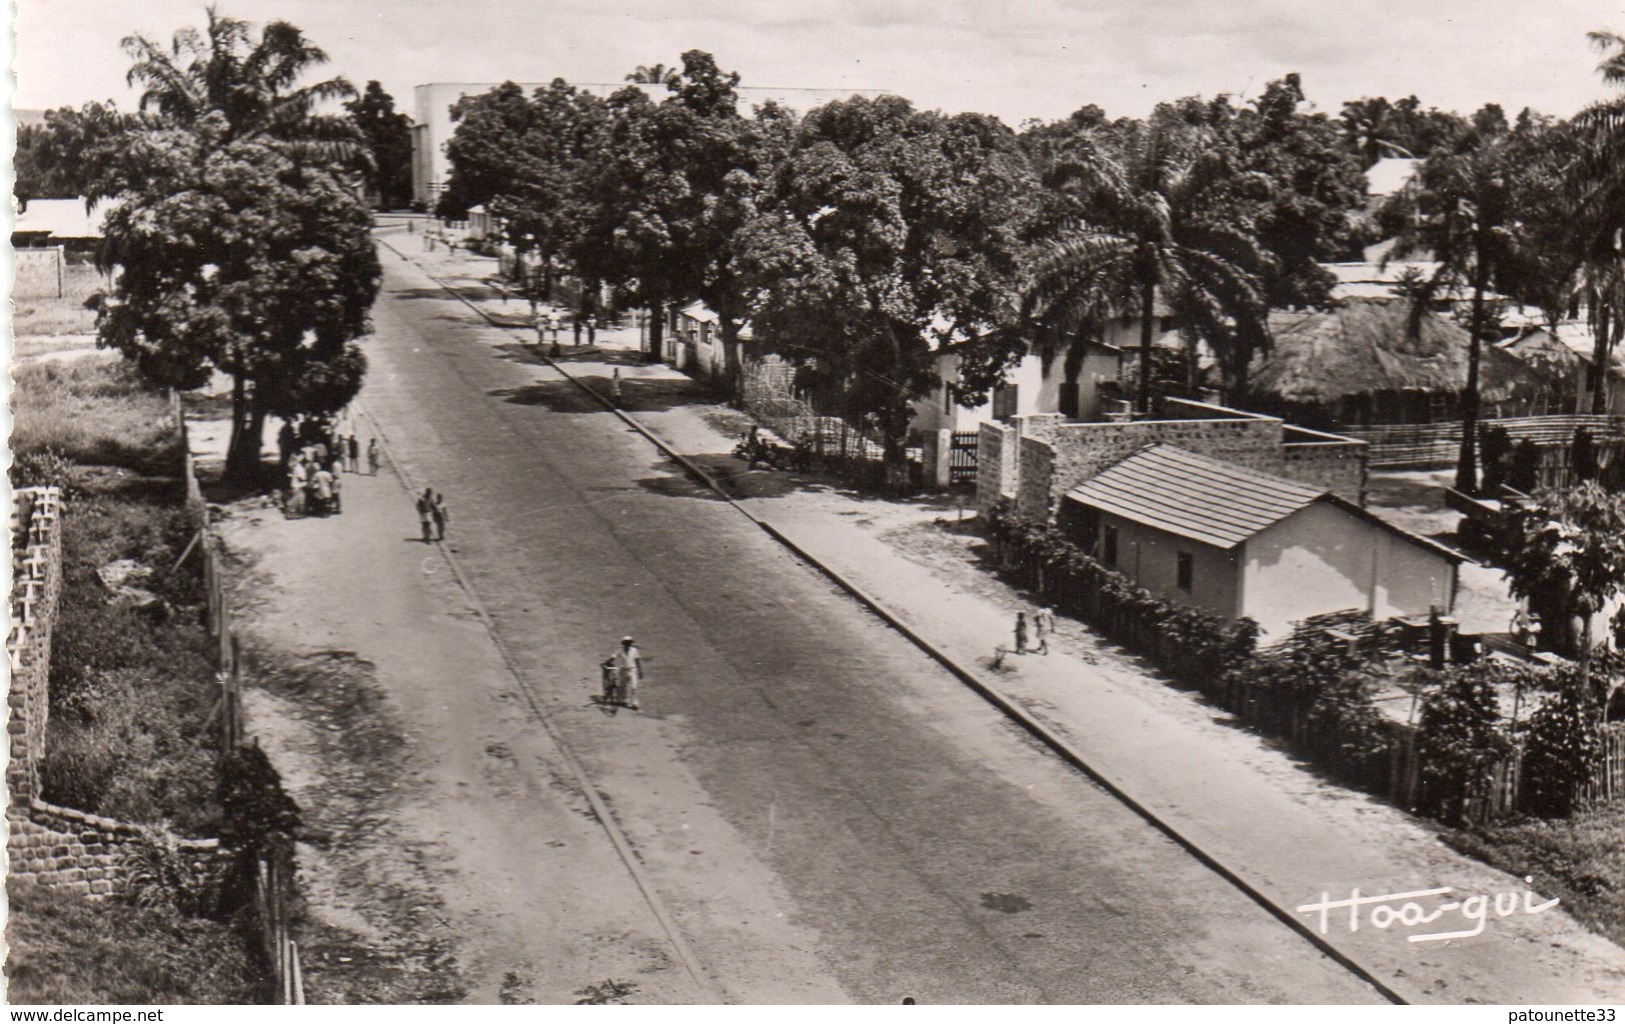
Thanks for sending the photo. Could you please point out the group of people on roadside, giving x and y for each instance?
(432, 515)
(1041, 628)
(549, 322)
(314, 459)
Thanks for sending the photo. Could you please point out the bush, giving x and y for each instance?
(1564, 752)
(1463, 741)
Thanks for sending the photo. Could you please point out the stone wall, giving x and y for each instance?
(1340, 465)
(1081, 450)
(86, 853)
(36, 587)
(39, 273)
(1056, 456)
(996, 470)
(52, 845)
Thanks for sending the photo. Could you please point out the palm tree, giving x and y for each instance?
(1369, 127)
(1467, 221)
(655, 74)
(1163, 216)
(1599, 182)
(251, 84)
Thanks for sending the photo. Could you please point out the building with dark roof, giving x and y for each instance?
(1243, 543)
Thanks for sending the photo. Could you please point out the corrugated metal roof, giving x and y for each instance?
(1193, 496)
(63, 218)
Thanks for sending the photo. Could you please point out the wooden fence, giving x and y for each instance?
(1610, 781)
(1436, 445)
(273, 878)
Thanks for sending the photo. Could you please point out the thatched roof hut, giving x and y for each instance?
(1360, 363)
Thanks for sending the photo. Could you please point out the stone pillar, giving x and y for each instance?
(939, 459)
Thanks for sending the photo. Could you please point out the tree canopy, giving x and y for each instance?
(239, 243)
(388, 136)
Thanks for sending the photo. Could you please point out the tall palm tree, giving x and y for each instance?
(251, 84)
(1369, 127)
(1599, 182)
(1163, 215)
(1467, 221)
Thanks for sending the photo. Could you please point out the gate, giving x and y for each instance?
(962, 458)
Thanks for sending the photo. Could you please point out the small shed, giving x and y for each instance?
(1237, 542)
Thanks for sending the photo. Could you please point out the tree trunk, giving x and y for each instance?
(1599, 360)
(732, 369)
(247, 428)
(895, 457)
(657, 333)
(1147, 307)
(1467, 464)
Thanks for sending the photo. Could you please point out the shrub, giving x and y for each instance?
(1463, 741)
(1564, 752)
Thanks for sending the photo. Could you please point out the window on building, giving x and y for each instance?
(1004, 401)
(1108, 546)
(1185, 571)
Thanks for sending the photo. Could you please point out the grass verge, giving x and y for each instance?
(65, 949)
(1580, 860)
(93, 412)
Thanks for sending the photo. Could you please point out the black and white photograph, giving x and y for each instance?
(817, 502)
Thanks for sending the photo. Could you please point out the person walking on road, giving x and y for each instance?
(372, 457)
(426, 515)
(322, 482)
(628, 669)
(1043, 626)
(437, 512)
(1021, 632)
(297, 478)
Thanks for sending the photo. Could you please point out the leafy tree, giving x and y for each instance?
(37, 178)
(67, 155)
(527, 162)
(885, 233)
(239, 244)
(1311, 186)
(389, 141)
(674, 191)
(235, 258)
(1564, 552)
(1161, 209)
(1564, 752)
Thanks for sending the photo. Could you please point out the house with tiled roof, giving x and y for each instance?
(1240, 542)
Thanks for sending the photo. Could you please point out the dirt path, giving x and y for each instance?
(455, 859)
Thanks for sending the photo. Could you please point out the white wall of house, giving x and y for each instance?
(1151, 557)
(1325, 559)
(940, 411)
(1035, 390)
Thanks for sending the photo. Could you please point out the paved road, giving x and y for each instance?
(825, 812)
